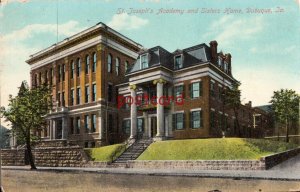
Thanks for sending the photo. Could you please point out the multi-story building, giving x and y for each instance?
(107, 88)
(82, 71)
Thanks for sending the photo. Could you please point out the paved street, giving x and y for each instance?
(289, 170)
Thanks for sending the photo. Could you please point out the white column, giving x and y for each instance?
(64, 128)
(160, 111)
(51, 130)
(133, 114)
(100, 126)
(54, 130)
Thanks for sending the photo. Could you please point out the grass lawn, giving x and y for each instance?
(213, 149)
(105, 153)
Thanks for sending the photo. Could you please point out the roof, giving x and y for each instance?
(266, 108)
(158, 56)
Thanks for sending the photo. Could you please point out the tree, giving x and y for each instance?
(26, 113)
(232, 101)
(285, 104)
(4, 137)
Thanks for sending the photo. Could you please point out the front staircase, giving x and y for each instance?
(133, 152)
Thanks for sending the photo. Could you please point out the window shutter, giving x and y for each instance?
(191, 120)
(200, 88)
(174, 121)
(201, 119)
(184, 123)
(191, 90)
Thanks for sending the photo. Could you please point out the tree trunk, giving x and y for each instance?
(287, 130)
(30, 156)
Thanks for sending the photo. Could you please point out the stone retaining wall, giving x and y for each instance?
(47, 157)
(275, 159)
(13, 157)
(199, 165)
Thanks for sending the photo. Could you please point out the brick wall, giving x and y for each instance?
(12, 157)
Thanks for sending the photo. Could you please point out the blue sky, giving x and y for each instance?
(264, 47)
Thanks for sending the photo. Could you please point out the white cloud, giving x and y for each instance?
(15, 49)
(126, 22)
(229, 30)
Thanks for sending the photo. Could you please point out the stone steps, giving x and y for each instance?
(133, 152)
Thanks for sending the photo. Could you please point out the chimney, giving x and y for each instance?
(249, 104)
(214, 51)
(228, 60)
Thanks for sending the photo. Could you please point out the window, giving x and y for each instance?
(140, 125)
(178, 91)
(63, 72)
(221, 93)
(72, 125)
(109, 63)
(110, 93)
(179, 121)
(35, 79)
(212, 88)
(196, 89)
(178, 62)
(87, 64)
(221, 123)
(72, 69)
(196, 119)
(220, 62)
(86, 124)
(110, 122)
(87, 93)
(117, 65)
(72, 97)
(51, 76)
(226, 67)
(94, 121)
(58, 100)
(126, 126)
(94, 91)
(78, 123)
(63, 99)
(94, 62)
(78, 96)
(59, 73)
(40, 78)
(212, 119)
(78, 67)
(144, 61)
(46, 77)
(126, 66)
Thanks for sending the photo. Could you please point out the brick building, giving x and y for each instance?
(93, 73)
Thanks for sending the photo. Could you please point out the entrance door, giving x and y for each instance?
(59, 129)
(153, 126)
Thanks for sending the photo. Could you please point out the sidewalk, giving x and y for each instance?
(289, 170)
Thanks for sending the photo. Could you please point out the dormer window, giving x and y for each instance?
(226, 67)
(220, 61)
(144, 61)
(178, 62)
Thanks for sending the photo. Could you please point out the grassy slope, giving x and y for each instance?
(213, 149)
(105, 153)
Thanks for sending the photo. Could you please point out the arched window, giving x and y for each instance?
(117, 65)
(109, 63)
(78, 67)
(35, 79)
(72, 65)
(94, 62)
(87, 64)
(126, 66)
